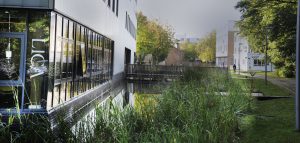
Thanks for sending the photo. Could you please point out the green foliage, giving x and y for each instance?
(204, 49)
(189, 50)
(153, 38)
(278, 20)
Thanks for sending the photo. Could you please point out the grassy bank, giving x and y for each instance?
(271, 121)
(274, 122)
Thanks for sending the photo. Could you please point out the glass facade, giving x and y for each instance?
(80, 58)
(47, 59)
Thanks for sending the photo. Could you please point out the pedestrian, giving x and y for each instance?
(234, 67)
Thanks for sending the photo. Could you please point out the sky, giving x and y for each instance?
(191, 18)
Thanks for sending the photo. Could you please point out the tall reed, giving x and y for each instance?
(204, 106)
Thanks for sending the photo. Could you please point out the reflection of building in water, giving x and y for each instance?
(67, 55)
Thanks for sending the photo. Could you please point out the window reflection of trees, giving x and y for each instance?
(81, 61)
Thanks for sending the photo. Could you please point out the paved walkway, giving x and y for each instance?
(287, 83)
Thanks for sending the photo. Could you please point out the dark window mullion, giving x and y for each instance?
(61, 57)
(117, 10)
(67, 60)
(54, 60)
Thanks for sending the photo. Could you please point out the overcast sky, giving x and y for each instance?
(193, 18)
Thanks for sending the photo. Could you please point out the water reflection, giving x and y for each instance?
(142, 88)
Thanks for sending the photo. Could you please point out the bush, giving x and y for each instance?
(287, 71)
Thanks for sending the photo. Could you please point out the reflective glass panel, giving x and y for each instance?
(12, 20)
(10, 51)
(10, 97)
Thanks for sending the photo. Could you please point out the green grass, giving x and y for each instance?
(270, 89)
(274, 122)
(259, 86)
(269, 74)
(271, 121)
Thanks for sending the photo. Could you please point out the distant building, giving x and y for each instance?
(175, 57)
(225, 45)
(247, 60)
(231, 48)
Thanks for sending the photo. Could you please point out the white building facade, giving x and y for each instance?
(224, 45)
(247, 60)
(231, 48)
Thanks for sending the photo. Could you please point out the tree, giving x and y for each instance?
(153, 38)
(204, 49)
(189, 49)
(277, 19)
(207, 48)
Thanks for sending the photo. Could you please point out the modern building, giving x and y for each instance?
(63, 55)
(225, 44)
(232, 49)
(246, 59)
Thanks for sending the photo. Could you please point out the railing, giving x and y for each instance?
(153, 72)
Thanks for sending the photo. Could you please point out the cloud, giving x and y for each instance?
(192, 17)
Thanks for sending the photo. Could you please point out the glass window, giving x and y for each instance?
(83, 52)
(62, 97)
(58, 48)
(69, 91)
(10, 65)
(51, 60)
(65, 58)
(70, 51)
(37, 60)
(10, 97)
(12, 20)
(81, 60)
(56, 93)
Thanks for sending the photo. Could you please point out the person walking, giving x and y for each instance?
(234, 67)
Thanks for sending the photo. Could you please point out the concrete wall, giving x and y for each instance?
(96, 15)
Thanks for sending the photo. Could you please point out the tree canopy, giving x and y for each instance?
(277, 19)
(153, 38)
(204, 49)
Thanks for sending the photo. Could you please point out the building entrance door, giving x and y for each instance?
(12, 71)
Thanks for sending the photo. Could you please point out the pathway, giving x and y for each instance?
(287, 83)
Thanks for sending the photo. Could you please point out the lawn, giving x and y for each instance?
(260, 86)
(270, 74)
(271, 121)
